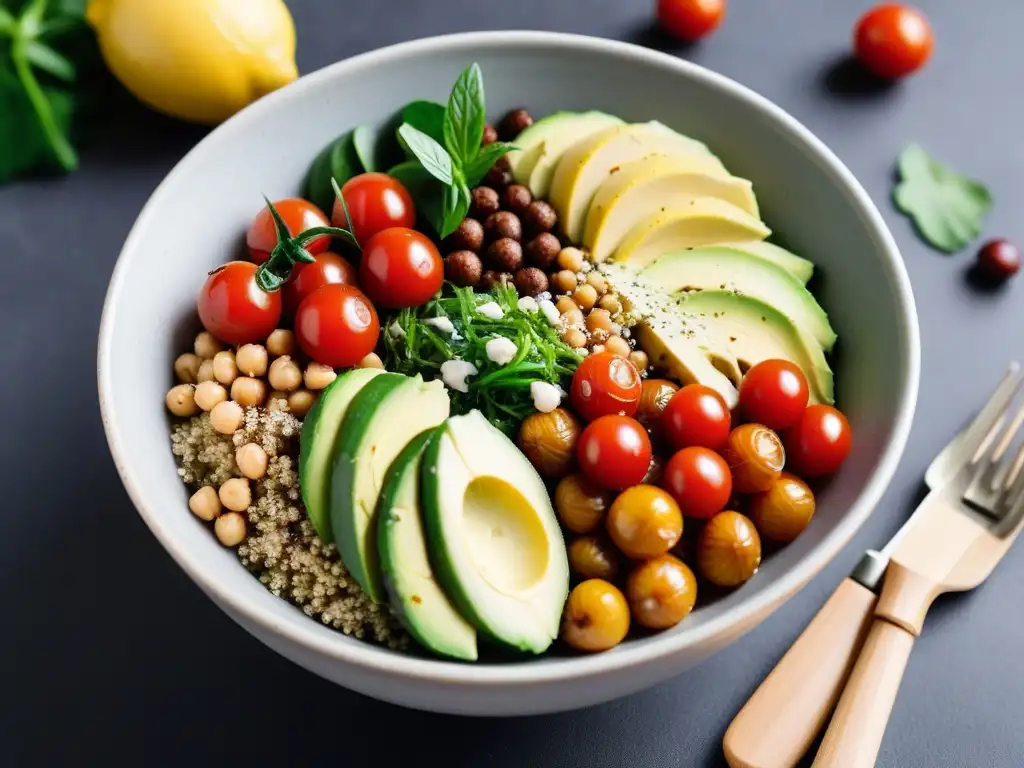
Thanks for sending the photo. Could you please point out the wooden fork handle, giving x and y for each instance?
(779, 723)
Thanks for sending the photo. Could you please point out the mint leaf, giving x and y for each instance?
(457, 199)
(426, 116)
(432, 156)
(947, 208)
(465, 116)
(484, 161)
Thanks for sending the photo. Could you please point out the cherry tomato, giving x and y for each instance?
(337, 325)
(329, 267)
(375, 202)
(998, 260)
(234, 308)
(819, 443)
(299, 215)
(400, 267)
(605, 383)
(690, 19)
(774, 393)
(696, 415)
(700, 481)
(893, 40)
(614, 452)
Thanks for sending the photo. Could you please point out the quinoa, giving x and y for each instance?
(282, 548)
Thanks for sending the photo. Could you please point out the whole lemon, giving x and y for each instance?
(200, 60)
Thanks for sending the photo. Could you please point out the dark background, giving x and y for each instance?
(108, 653)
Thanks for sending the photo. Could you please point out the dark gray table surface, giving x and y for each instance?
(108, 653)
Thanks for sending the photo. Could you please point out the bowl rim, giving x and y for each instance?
(299, 629)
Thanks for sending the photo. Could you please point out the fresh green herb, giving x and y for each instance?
(432, 156)
(947, 208)
(484, 161)
(501, 392)
(363, 140)
(465, 115)
(426, 116)
(338, 160)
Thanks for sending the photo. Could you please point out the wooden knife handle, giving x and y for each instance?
(779, 723)
(855, 734)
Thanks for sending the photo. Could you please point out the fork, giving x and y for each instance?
(964, 529)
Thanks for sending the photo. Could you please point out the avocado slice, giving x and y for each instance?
(798, 267)
(716, 268)
(381, 420)
(494, 540)
(756, 331)
(316, 446)
(703, 222)
(587, 163)
(643, 187)
(542, 144)
(421, 605)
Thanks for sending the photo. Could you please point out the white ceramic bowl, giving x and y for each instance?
(196, 220)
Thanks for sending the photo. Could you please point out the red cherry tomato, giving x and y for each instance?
(337, 325)
(696, 415)
(774, 393)
(400, 267)
(375, 202)
(893, 40)
(329, 267)
(690, 19)
(818, 443)
(700, 481)
(614, 452)
(299, 215)
(234, 308)
(606, 383)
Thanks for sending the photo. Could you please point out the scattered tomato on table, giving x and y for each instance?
(998, 260)
(690, 20)
(893, 40)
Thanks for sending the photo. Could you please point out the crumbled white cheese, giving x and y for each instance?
(527, 304)
(501, 350)
(544, 296)
(491, 310)
(443, 324)
(455, 372)
(550, 311)
(396, 331)
(546, 397)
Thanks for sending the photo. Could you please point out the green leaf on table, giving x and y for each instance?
(465, 116)
(431, 155)
(947, 208)
(484, 161)
(426, 116)
(23, 145)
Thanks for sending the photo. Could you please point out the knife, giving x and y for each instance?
(778, 724)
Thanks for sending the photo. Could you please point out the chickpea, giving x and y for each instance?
(661, 592)
(756, 456)
(300, 401)
(580, 504)
(593, 557)
(639, 359)
(318, 376)
(284, 374)
(205, 504)
(565, 304)
(644, 522)
(207, 346)
(252, 461)
(209, 394)
(571, 259)
(277, 401)
(610, 303)
(575, 338)
(224, 368)
(248, 392)
(251, 359)
(618, 346)
(783, 511)
(280, 343)
(596, 349)
(235, 494)
(230, 529)
(564, 281)
(596, 616)
(599, 320)
(226, 417)
(728, 549)
(598, 282)
(585, 297)
(181, 400)
(205, 372)
(186, 368)
(549, 441)
(372, 360)
(573, 318)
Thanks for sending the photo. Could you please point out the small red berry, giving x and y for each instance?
(998, 259)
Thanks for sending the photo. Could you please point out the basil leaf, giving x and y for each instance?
(427, 192)
(484, 161)
(427, 116)
(339, 160)
(41, 56)
(947, 208)
(465, 116)
(363, 141)
(434, 158)
(456, 206)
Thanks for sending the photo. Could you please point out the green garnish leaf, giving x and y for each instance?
(363, 141)
(23, 145)
(947, 208)
(465, 116)
(434, 158)
(457, 199)
(43, 57)
(426, 116)
(483, 162)
(338, 160)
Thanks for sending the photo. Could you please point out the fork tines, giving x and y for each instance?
(996, 486)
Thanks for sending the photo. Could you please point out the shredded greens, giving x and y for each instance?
(500, 392)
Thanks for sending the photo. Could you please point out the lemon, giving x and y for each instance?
(199, 60)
